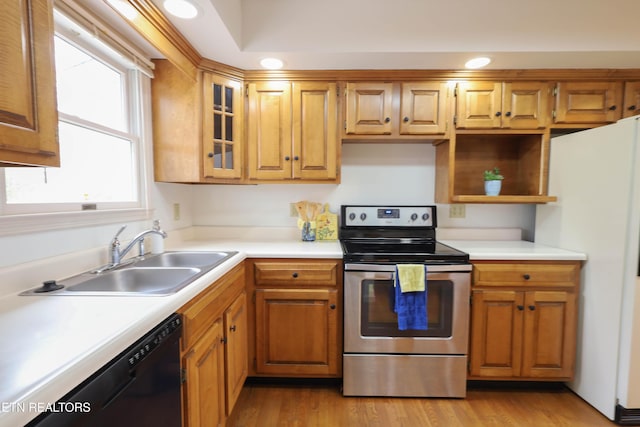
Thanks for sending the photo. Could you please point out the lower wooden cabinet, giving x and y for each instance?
(297, 318)
(524, 320)
(204, 385)
(235, 338)
(214, 351)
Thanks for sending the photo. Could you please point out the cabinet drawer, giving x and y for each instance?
(317, 273)
(521, 274)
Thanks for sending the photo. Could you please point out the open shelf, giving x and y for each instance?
(522, 159)
(503, 199)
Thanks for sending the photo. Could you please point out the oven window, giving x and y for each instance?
(379, 319)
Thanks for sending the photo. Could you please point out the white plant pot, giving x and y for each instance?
(492, 188)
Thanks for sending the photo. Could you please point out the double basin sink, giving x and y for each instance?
(153, 275)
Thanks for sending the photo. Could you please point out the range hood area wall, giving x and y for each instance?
(372, 173)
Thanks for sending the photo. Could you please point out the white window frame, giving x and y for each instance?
(23, 218)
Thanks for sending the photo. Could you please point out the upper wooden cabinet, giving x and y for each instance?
(585, 103)
(197, 126)
(368, 108)
(222, 127)
(292, 131)
(512, 105)
(400, 110)
(28, 110)
(631, 99)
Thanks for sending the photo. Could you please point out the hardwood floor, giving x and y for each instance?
(275, 404)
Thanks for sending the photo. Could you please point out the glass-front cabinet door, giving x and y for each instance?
(222, 149)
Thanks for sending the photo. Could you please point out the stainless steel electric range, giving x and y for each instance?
(380, 359)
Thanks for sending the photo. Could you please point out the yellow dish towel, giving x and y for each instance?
(411, 277)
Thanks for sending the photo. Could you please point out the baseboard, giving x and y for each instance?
(627, 416)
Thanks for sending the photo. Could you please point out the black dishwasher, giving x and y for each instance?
(140, 387)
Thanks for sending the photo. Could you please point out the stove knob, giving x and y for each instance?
(352, 216)
(414, 216)
(363, 216)
(425, 216)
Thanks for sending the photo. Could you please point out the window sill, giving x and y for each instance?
(40, 222)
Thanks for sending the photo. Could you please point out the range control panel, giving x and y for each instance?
(389, 216)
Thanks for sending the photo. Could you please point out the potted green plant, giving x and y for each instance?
(492, 182)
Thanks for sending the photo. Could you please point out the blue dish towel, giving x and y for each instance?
(411, 307)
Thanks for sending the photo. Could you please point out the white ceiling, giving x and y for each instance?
(417, 34)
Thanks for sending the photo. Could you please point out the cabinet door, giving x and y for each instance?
(315, 131)
(496, 333)
(222, 127)
(631, 99)
(549, 344)
(479, 105)
(204, 386)
(235, 324)
(28, 110)
(525, 105)
(296, 332)
(423, 108)
(269, 139)
(588, 102)
(369, 108)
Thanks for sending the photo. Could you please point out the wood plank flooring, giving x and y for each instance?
(274, 404)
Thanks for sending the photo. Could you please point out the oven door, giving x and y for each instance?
(371, 325)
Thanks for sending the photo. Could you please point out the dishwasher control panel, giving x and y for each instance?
(145, 345)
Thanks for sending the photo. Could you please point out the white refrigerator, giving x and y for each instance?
(596, 176)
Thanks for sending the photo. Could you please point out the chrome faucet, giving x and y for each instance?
(114, 246)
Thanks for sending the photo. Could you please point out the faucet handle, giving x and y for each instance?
(120, 231)
(115, 238)
(114, 247)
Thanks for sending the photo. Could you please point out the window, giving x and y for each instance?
(100, 99)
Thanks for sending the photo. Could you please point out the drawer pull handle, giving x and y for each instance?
(332, 306)
(532, 307)
(526, 277)
(295, 275)
(520, 307)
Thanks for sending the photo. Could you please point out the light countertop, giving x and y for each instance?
(513, 250)
(50, 344)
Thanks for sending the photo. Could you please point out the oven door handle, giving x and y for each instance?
(391, 268)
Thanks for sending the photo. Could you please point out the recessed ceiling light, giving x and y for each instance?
(181, 8)
(271, 63)
(477, 62)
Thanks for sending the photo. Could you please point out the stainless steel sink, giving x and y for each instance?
(150, 281)
(206, 260)
(153, 275)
